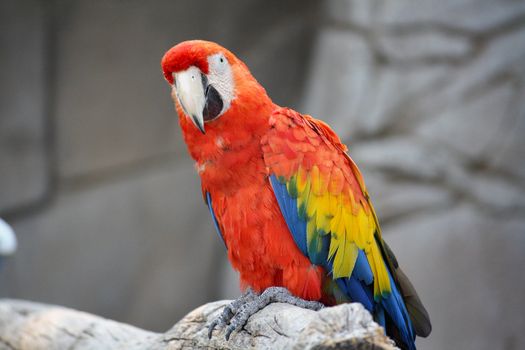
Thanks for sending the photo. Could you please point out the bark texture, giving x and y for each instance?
(30, 326)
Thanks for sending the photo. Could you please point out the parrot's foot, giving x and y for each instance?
(239, 311)
(230, 310)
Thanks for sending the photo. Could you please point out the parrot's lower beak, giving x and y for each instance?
(199, 100)
(198, 123)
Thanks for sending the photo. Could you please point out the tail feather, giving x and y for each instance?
(416, 310)
(418, 314)
(395, 308)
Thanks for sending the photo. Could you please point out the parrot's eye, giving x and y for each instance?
(221, 59)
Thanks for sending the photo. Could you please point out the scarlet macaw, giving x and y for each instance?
(285, 197)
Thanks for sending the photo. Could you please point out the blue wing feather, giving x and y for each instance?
(362, 270)
(396, 309)
(288, 206)
(215, 222)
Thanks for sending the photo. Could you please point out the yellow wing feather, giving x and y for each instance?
(331, 192)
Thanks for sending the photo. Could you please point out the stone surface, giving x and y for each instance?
(428, 15)
(23, 157)
(30, 326)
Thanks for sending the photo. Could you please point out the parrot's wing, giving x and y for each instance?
(323, 199)
(207, 198)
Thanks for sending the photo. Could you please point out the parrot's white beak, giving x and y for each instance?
(190, 88)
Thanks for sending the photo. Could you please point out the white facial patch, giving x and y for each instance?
(220, 76)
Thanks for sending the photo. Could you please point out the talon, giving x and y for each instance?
(211, 327)
(229, 331)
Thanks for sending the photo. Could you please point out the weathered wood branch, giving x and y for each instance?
(30, 326)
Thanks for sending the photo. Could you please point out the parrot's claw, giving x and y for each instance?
(244, 307)
(230, 310)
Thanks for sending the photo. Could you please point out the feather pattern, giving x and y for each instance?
(321, 195)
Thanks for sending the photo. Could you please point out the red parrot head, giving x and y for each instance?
(208, 81)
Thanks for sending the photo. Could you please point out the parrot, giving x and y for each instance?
(285, 198)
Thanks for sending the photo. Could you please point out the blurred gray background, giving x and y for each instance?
(428, 95)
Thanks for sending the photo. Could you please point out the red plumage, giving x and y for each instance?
(233, 171)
